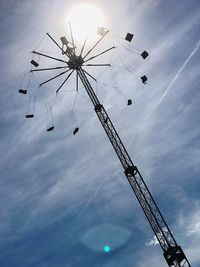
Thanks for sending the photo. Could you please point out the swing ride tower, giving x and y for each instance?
(172, 252)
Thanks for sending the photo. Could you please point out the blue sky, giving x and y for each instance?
(64, 197)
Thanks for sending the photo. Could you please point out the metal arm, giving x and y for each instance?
(55, 42)
(55, 68)
(99, 54)
(173, 253)
(96, 65)
(95, 44)
(44, 55)
(54, 77)
(64, 81)
(72, 38)
(83, 46)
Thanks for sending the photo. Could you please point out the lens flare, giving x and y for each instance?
(107, 249)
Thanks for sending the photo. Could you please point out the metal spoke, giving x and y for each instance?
(83, 46)
(54, 77)
(95, 44)
(89, 75)
(55, 68)
(56, 43)
(64, 81)
(100, 53)
(44, 55)
(70, 28)
(97, 65)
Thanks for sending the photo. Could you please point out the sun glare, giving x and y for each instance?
(84, 19)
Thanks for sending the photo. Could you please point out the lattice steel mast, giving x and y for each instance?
(172, 252)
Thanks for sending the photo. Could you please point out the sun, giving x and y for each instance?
(84, 19)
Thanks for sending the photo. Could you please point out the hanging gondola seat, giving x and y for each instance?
(129, 37)
(34, 63)
(144, 54)
(64, 40)
(50, 129)
(129, 102)
(101, 31)
(75, 130)
(22, 91)
(28, 116)
(144, 79)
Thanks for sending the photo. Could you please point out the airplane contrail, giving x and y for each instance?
(175, 78)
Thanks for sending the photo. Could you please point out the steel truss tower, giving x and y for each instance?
(172, 252)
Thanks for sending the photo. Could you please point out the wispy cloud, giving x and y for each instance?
(152, 242)
(59, 185)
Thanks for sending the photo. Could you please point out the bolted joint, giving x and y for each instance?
(75, 62)
(174, 254)
(98, 107)
(131, 170)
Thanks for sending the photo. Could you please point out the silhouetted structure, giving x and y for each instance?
(34, 63)
(29, 116)
(172, 252)
(144, 54)
(22, 91)
(129, 37)
(50, 129)
(76, 130)
(144, 79)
